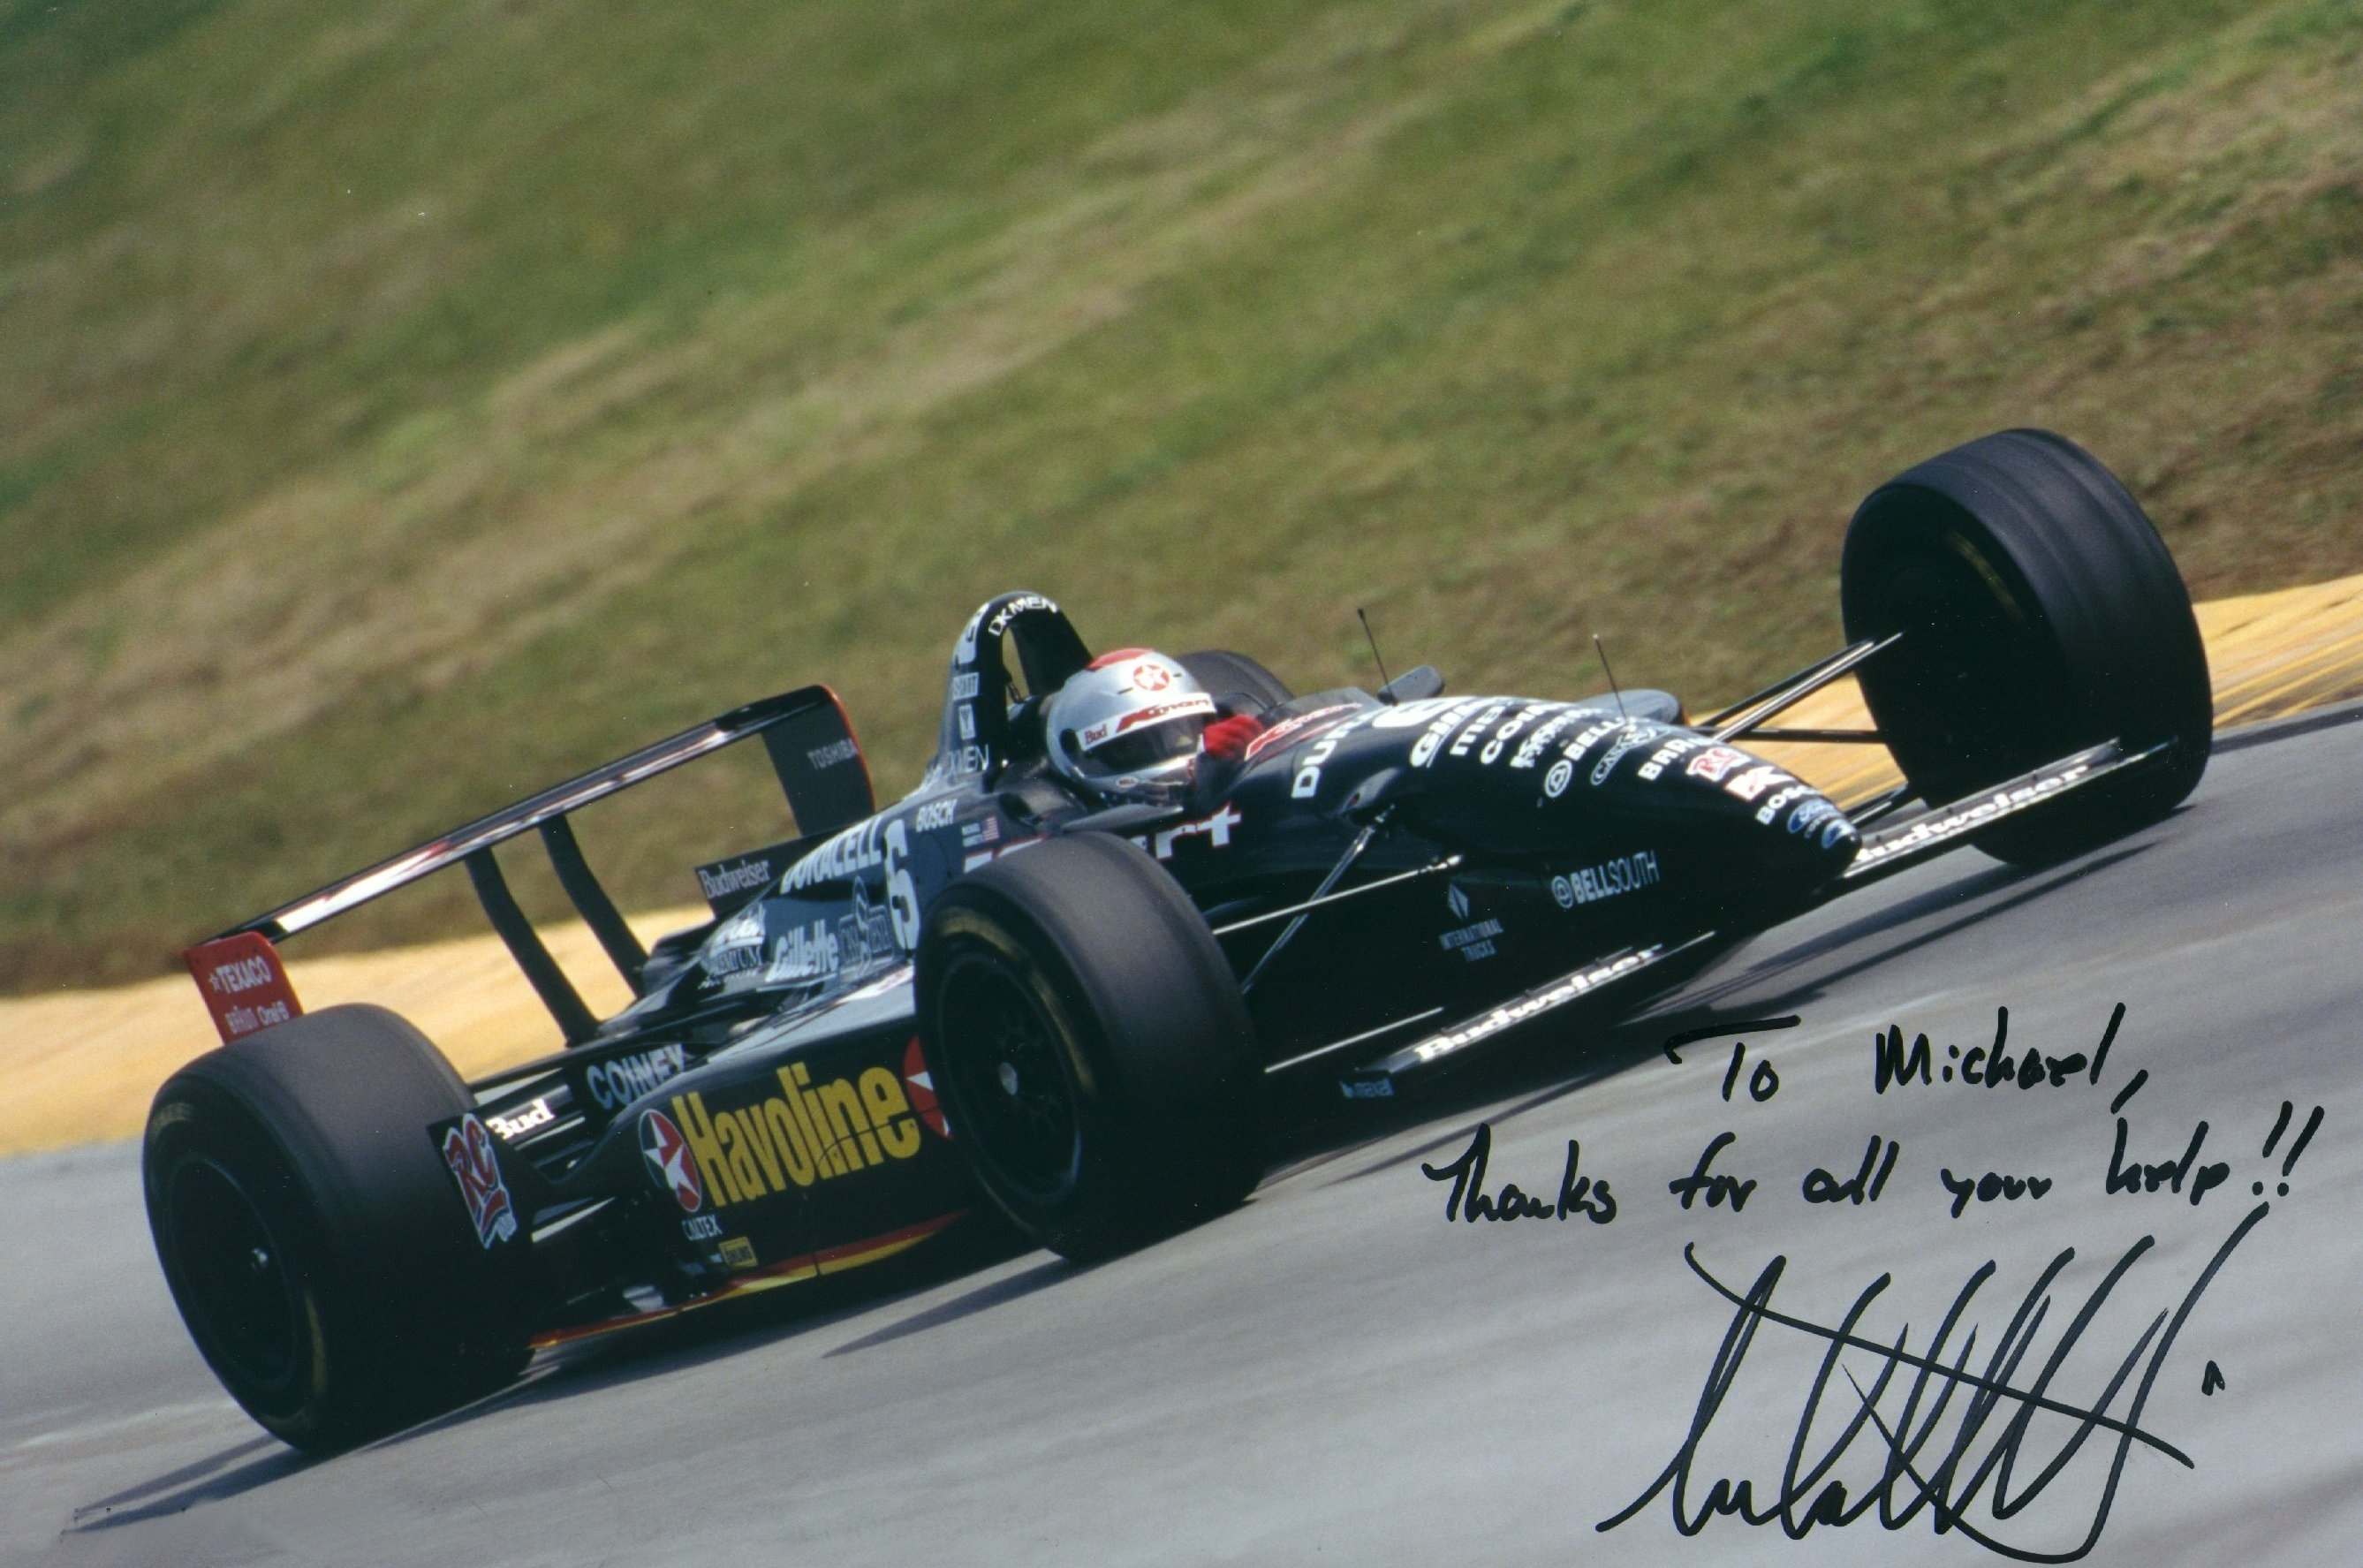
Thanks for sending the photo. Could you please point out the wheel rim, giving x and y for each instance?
(234, 1272)
(1010, 1083)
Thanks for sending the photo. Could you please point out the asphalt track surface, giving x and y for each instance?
(1338, 1373)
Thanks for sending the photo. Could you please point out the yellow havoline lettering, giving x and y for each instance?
(803, 1134)
(731, 1129)
(890, 1112)
(794, 1157)
(690, 1112)
(845, 1122)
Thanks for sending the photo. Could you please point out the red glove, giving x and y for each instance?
(1228, 738)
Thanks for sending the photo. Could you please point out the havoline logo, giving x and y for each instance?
(803, 1134)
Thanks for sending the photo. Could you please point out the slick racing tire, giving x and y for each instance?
(2041, 615)
(1090, 1044)
(315, 1244)
(1236, 683)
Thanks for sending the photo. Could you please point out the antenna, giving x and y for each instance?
(1384, 682)
(1602, 649)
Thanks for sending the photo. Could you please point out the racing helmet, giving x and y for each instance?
(1127, 727)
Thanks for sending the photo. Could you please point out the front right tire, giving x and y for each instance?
(1091, 1045)
(2041, 614)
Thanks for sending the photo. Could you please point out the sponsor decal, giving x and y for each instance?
(738, 1252)
(964, 686)
(850, 946)
(1308, 772)
(1841, 828)
(934, 815)
(672, 1163)
(1531, 748)
(1510, 729)
(980, 831)
(1368, 1088)
(1299, 727)
(1561, 774)
(1473, 942)
(1967, 815)
(1098, 735)
(1015, 607)
(618, 1083)
(1756, 781)
(1811, 813)
(1783, 798)
(468, 1153)
(840, 857)
(735, 951)
(1715, 762)
(721, 881)
(703, 1228)
(1476, 727)
(966, 714)
(1514, 1013)
(1149, 675)
(920, 1084)
(834, 752)
(1439, 729)
(803, 1134)
(1590, 885)
(1667, 754)
(1215, 829)
(1636, 735)
(244, 987)
(524, 1120)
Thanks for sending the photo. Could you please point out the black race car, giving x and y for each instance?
(1003, 991)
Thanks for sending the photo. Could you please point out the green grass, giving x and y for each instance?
(399, 408)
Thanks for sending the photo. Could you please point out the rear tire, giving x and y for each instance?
(2042, 615)
(312, 1237)
(1091, 1045)
(1236, 683)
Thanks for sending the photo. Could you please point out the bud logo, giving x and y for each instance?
(468, 1151)
(721, 881)
(802, 1135)
(670, 1161)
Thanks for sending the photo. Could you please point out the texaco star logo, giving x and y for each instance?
(670, 1165)
(1150, 677)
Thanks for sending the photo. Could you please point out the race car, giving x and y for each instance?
(1056, 980)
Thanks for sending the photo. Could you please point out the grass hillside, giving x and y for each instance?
(404, 404)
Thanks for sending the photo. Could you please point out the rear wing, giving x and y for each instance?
(813, 750)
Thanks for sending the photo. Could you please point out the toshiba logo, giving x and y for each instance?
(240, 974)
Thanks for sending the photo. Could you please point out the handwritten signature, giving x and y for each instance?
(1911, 1477)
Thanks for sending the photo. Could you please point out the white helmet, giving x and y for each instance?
(1128, 728)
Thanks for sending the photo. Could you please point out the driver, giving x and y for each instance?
(1130, 728)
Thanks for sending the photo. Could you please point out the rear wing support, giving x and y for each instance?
(811, 750)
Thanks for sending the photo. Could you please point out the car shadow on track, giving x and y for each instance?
(204, 1481)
